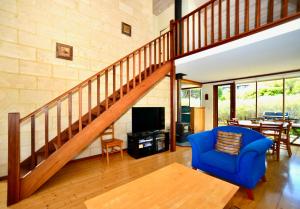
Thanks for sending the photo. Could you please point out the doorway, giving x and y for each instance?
(224, 103)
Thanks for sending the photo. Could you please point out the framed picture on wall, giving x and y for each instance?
(126, 29)
(64, 51)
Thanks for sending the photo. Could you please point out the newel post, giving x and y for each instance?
(13, 177)
(172, 90)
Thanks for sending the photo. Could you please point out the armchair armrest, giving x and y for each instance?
(251, 161)
(260, 146)
(252, 150)
(202, 142)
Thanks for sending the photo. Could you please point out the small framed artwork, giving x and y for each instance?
(64, 51)
(126, 29)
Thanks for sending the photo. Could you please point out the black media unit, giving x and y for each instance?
(147, 143)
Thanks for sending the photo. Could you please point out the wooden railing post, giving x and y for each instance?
(172, 90)
(13, 179)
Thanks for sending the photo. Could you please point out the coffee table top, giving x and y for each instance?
(173, 186)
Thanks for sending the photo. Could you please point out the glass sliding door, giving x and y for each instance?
(292, 99)
(246, 101)
(224, 103)
(270, 99)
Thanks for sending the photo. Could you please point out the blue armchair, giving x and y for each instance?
(245, 169)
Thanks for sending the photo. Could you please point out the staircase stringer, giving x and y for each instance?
(39, 175)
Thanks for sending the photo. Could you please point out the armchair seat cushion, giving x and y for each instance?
(221, 160)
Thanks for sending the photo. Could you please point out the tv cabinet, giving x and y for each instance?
(147, 143)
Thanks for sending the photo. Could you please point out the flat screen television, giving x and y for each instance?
(148, 119)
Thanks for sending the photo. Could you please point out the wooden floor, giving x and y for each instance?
(82, 180)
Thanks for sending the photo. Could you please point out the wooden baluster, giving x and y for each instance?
(246, 16)
(159, 52)
(127, 74)
(220, 21)
(168, 51)
(182, 36)
(188, 34)
(90, 100)
(212, 35)
(257, 13)
(33, 155)
(140, 66)
(46, 150)
(237, 17)
(205, 26)
(121, 79)
(80, 108)
(193, 21)
(114, 84)
(199, 29)
(270, 11)
(145, 62)
(70, 115)
(227, 18)
(150, 60)
(284, 8)
(98, 95)
(13, 177)
(106, 88)
(133, 69)
(58, 123)
(154, 54)
(164, 49)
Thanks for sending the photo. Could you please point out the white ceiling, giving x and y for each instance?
(273, 50)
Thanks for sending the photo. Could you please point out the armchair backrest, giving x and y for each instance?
(248, 135)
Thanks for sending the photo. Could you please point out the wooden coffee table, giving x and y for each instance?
(174, 186)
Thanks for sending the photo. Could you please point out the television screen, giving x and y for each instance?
(148, 119)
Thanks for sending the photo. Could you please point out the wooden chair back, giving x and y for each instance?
(273, 130)
(108, 134)
(233, 122)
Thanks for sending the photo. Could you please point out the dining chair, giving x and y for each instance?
(233, 122)
(109, 144)
(285, 138)
(274, 131)
(285, 142)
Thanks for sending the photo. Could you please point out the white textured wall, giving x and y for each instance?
(31, 75)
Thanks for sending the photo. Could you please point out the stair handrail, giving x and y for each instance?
(91, 78)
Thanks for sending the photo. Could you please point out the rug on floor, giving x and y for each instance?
(183, 144)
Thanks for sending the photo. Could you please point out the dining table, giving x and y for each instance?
(256, 125)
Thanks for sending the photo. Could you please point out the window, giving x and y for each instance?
(245, 101)
(185, 97)
(191, 97)
(195, 98)
(270, 99)
(292, 98)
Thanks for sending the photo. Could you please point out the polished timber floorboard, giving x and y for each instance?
(82, 180)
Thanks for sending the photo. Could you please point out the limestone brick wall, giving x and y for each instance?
(31, 75)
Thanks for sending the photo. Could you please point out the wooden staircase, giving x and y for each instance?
(112, 91)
